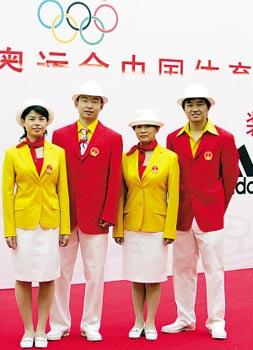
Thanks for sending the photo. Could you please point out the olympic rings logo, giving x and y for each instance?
(85, 23)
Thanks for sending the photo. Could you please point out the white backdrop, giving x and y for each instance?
(174, 43)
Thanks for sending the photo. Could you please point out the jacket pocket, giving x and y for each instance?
(160, 212)
(19, 207)
(55, 206)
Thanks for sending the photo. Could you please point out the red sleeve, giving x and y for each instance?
(114, 179)
(229, 167)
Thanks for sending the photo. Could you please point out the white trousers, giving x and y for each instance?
(93, 251)
(187, 248)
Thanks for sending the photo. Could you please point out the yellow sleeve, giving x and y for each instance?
(8, 184)
(173, 198)
(118, 229)
(62, 189)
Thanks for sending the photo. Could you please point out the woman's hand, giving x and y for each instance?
(63, 240)
(119, 240)
(167, 241)
(11, 242)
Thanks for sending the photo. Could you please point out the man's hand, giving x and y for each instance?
(104, 224)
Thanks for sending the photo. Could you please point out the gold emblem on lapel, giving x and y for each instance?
(49, 169)
(154, 169)
(208, 155)
(94, 151)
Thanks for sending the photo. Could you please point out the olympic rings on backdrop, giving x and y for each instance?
(85, 23)
(81, 32)
(67, 41)
(61, 15)
(116, 16)
(87, 8)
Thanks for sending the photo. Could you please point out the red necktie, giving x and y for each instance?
(142, 149)
(33, 145)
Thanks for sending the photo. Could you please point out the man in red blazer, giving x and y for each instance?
(208, 161)
(93, 155)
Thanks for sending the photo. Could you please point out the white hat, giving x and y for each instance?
(34, 102)
(195, 90)
(146, 117)
(90, 88)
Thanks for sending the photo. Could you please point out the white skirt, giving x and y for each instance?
(144, 257)
(37, 257)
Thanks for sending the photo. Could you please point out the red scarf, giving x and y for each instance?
(33, 145)
(142, 149)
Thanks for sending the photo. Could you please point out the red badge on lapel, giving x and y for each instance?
(94, 151)
(49, 169)
(154, 169)
(208, 155)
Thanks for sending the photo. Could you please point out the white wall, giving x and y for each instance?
(219, 31)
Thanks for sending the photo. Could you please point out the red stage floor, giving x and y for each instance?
(118, 319)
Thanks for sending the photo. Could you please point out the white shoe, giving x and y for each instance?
(91, 335)
(26, 342)
(177, 326)
(218, 332)
(57, 334)
(151, 334)
(41, 342)
(136, 332)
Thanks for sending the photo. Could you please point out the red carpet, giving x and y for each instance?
(118, 319)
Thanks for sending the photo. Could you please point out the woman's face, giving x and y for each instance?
(35, 125)
(146, 133)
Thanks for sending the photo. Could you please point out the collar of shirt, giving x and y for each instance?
(91, 129)
(209, 127)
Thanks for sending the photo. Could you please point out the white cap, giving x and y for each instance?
(90, 88)
(34, 102)
(195, 90)
(146, 116)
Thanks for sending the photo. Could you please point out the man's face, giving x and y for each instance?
(196, 110)
(88, 107)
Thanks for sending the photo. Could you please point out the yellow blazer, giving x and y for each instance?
(30, 199)
(150, 204)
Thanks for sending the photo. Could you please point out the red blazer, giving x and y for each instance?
(207, 180)
(95, 180)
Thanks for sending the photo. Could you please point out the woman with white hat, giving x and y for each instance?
(36, 215)
(147, 218)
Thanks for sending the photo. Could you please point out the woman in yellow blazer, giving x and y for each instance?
(147, 218)
(36, 215)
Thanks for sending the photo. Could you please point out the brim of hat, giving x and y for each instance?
(74, 97)
(180, 101)
(145, 122)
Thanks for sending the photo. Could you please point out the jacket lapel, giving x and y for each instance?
(75, 141)
(154, 160)
(96, 139)
(47, 157)
(185, 145)
(25, 154)
(205, 139)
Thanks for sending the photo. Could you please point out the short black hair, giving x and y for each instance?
(38, 109)
(202, 98)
